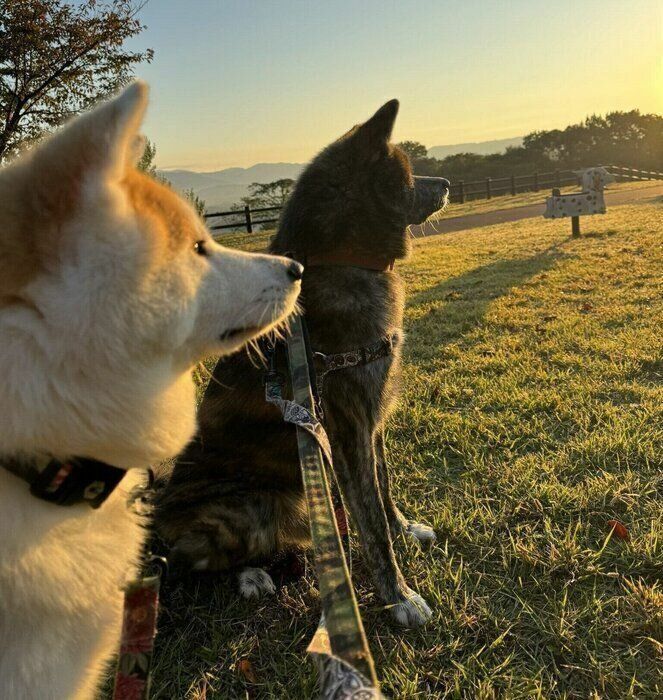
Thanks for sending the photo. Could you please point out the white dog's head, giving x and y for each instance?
(594, 179)
(111, 289)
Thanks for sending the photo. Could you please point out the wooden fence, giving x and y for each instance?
(627, 174)
(459, 193)
(242, 218)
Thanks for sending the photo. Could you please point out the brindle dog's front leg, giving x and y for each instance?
(355, 466)
(398, 523)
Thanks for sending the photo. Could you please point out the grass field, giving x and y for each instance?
(531, 416)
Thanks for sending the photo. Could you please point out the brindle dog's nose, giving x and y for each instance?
(430, 194)
(295, 271)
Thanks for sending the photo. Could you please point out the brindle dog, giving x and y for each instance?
(235, 497)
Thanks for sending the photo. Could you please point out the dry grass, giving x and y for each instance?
(531, 416)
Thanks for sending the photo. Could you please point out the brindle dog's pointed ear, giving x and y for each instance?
(377, 130)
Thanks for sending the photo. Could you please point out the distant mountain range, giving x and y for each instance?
(483, 148)
(223, 188)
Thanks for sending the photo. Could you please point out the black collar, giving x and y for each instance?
(76, 480)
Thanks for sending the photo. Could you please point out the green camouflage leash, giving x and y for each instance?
(339, 644)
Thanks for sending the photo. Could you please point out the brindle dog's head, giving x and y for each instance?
(358, 195)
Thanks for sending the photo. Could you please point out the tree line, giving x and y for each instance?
(629, 139)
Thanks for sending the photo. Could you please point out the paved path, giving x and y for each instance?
(500, 216)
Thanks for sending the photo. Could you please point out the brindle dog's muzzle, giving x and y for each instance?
(430, 194)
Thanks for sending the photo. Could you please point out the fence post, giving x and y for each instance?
(461, 191)
(487, 188)
(513, 185)
(247, 215)
(557, 181)
(536, 181)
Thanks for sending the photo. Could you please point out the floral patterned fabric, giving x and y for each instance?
(139, 626)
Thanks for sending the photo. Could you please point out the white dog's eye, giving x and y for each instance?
(200, 247)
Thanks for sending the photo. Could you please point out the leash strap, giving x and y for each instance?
(139, 628)
(339, 644)
(141, 609)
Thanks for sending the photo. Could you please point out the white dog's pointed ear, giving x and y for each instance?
(101, 142)
(111, 129)
(377, 130)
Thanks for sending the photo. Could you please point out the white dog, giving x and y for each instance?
(110, 290)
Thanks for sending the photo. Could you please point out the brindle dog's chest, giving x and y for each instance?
(345, 309)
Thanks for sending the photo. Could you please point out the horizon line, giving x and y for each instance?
(195, 169)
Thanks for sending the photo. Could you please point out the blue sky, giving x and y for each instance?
(239, 82)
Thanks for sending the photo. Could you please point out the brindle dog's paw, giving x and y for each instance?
(255, 583)
(412, 612)
(424, 534)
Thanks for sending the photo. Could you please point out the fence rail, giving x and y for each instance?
(627, 174)
(459, 193)
(245, 216)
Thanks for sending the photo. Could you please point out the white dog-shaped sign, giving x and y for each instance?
(589, 201)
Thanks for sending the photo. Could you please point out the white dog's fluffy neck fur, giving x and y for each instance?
(105, 303)
(91, 410)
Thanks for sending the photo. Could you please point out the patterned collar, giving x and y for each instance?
(67, 483)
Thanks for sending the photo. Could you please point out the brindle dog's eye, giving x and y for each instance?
(200, 248)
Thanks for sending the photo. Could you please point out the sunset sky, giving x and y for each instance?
(236, 82)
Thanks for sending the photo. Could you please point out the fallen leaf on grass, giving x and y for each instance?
(618, 529)
(586, 307)
(246, 670)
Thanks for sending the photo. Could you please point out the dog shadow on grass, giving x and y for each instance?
(449, 312)
(457, 305)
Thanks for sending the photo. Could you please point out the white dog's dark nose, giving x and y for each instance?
(295, 271)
